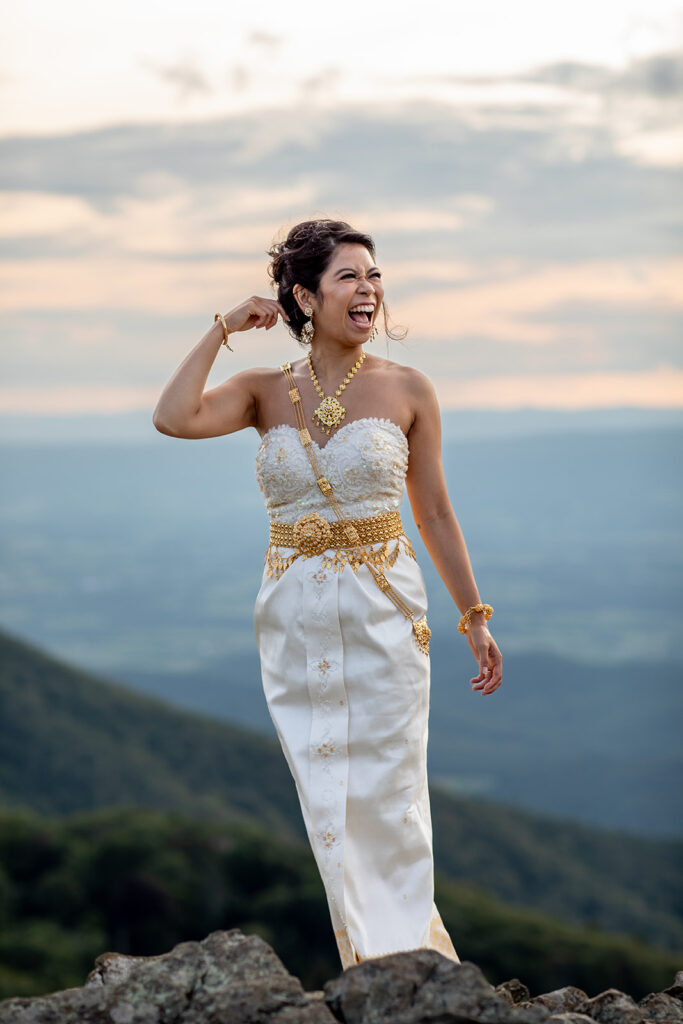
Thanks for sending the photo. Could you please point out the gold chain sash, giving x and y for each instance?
(420, 628)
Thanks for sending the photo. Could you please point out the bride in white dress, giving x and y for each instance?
(345, 675)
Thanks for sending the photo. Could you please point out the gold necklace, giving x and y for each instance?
(331, 412)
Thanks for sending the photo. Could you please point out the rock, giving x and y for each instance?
(228, 977)
(570, 1018)
(677, 987)
(421, 986)
(662, 1007)
(563, 1000)
(613, 1007)
(113, 967)
(513, 990)
(231, 978)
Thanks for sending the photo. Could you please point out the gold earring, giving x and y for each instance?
(373, 333)
(308, 330)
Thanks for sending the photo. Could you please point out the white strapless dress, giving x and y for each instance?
(347, 688)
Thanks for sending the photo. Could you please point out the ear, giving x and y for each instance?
(302, 296)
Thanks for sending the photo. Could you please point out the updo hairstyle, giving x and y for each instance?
(303, 258)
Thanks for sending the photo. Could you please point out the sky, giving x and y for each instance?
(519, 167)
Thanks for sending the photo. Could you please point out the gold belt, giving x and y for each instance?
(312, 533)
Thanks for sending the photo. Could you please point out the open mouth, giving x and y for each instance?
(362, 315)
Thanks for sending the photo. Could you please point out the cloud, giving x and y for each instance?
(507, 255)
(320, 84)
(185, 77)
(506, 307)
(266, 40)
(658, 75)
(660, 388)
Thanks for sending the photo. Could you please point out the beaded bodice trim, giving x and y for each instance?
(366, 461)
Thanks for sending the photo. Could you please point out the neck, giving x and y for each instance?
(332, 362)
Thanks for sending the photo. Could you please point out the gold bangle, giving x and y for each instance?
(218, 316)
(465, 620)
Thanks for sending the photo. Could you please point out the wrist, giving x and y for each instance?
(222, 327)
(476, 615)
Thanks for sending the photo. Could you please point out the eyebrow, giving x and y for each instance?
(345, 270)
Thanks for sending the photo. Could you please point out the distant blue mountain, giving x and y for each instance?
(143, 560)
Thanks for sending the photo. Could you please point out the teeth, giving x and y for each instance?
(362, 309)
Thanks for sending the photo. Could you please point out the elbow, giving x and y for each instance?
(432, 518)
(161, 425)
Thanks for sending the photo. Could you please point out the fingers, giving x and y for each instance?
(256, 312)
(490, 674)
(266, 313)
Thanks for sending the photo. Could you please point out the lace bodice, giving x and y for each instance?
(365, 461)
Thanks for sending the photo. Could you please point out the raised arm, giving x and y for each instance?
(184, 409)
(440, 530)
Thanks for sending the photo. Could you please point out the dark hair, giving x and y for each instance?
(303, 258)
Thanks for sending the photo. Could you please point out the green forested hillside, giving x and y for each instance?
(140, 881)
(70, 742)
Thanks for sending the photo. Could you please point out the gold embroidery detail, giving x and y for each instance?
(382, 581)
(326, 749)
(312, 534)
(384, 556)
(438, 939)
(422, 633)
(372, 530)
(329, 839)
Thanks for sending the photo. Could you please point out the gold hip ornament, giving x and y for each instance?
(421, 630)
(422, 633)
(312, 534)
(331, 412)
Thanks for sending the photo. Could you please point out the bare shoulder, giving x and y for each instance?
(415, 387)
(258, 378)
(408, 376)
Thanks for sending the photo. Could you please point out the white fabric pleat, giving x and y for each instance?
(348, 689)
(348, 692)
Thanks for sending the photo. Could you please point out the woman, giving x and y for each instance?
(340, 617)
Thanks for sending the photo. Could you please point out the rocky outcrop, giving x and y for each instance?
(231, 978)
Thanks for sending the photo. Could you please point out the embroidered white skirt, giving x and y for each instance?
(347, 688)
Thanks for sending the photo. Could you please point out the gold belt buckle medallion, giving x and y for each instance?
(312, 534)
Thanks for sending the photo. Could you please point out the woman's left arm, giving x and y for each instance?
(440, 530)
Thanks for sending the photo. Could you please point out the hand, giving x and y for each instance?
(255, 312)
(489, 658)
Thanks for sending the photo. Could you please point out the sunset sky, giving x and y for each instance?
(519, 166)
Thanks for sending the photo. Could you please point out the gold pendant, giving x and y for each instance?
(422, 634)
(329, 414)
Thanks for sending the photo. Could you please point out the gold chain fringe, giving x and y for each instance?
(420, 628)
(277, 565)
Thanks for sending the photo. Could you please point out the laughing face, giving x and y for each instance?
(349, 297)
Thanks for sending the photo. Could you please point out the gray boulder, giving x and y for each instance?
(677, 987)
(419, 987)
(661, 1007)
(228, 978)
(513, 990)
(563, 1000)
(614, 1007)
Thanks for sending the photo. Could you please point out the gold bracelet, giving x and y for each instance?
(465, 620)
(218, 316)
